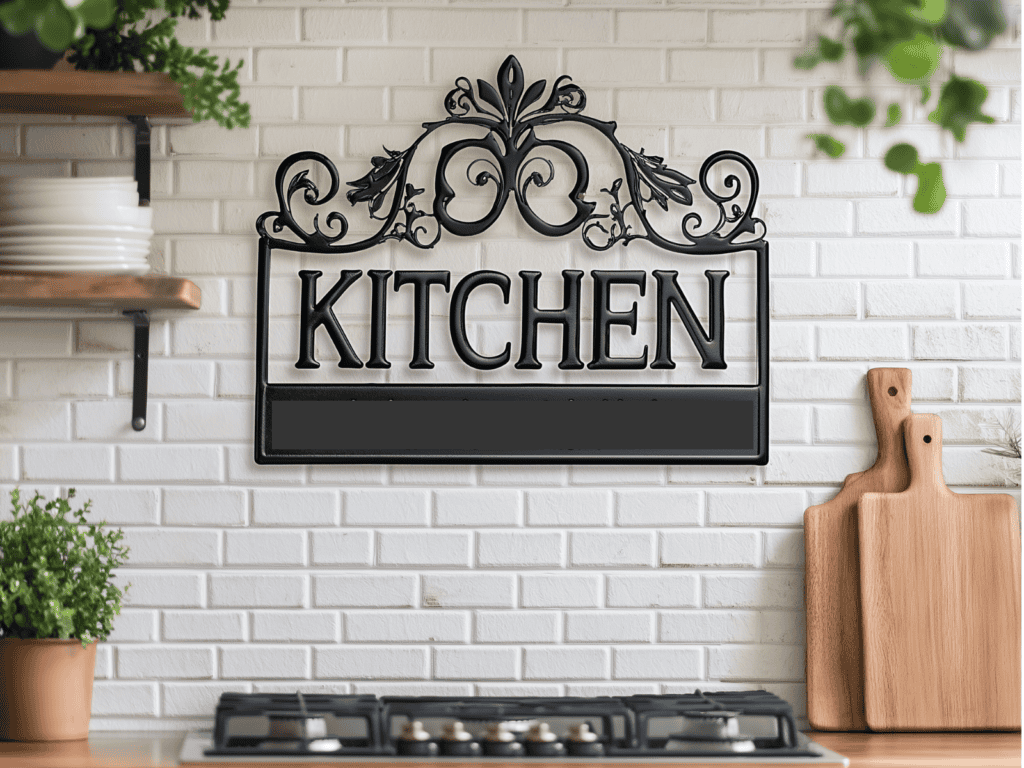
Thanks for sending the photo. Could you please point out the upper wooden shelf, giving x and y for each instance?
(71, 289)
(69, 92)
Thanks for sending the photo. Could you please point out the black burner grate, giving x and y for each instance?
(365, 725)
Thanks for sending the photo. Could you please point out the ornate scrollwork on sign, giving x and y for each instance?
(511, 114)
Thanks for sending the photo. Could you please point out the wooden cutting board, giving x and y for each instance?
(835, 690)
(940, 595)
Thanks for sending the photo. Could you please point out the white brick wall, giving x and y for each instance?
(503, 580)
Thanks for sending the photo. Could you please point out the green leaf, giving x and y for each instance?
(867, 43)
(930, 11)
(807, 60)
(825, 143)
(831, 50)
(842, 110)
(893, 115)
(56, 27)
(16, 17)
(836, 104)
(901, 158)
(959, 104)
(931, 191)
(861, 112)
(972, 24)
(97, 14)
(912, 61)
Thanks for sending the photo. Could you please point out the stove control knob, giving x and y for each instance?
(498, 732)
(414, 731)
(416, 741)
(541, 732)
(456, 741)
(582, 742)
(499, 741)
(456, 731)
(541, 742)
(581, 733)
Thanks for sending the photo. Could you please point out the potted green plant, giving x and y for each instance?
(57, 599)
(35, 33)
(125, 36)
(141, 38)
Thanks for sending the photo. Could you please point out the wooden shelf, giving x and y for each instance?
(137, 96)
(67, 92)
(133, 295)
(71, 289)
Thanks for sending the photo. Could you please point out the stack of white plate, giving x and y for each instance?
(74, 225)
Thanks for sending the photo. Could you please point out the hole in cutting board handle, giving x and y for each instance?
(927, 438)
(893, 391)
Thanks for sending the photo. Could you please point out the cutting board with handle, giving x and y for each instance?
(835, 680)
(940, 594)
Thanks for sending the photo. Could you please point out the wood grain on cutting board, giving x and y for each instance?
(835, 689)
(940, 591)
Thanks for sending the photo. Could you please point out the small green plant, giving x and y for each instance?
(909, 37)
(142, 38)
(53, 583)
(1004, 431)
(56, 23)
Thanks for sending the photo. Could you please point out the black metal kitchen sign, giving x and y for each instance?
(513, 352)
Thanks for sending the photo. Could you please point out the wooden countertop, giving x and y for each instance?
(909, 750)
(134, 750)
(865, 750)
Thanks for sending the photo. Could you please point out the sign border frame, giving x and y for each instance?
(510, 112)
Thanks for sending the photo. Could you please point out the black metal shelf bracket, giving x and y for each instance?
(141, 376)
(142, 147)
(140, 317)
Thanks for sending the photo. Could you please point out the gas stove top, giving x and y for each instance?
(723, 727)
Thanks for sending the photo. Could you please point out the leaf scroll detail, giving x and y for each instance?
(533, 94)
(374, 186)
(664, 182)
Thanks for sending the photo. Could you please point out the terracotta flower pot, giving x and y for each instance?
(45, 689)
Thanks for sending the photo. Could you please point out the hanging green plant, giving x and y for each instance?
(908, 37)
(142, 38)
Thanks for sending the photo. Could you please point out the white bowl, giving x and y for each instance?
(55, 263)
(62, 240)
(114, 214)
(55, 259)
(80, 231)
(90, 198)
(135, 246)
(8, 182)
(103, 251)
(76, 193)
(110, 268)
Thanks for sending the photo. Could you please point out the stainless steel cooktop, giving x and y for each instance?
(698, 728)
